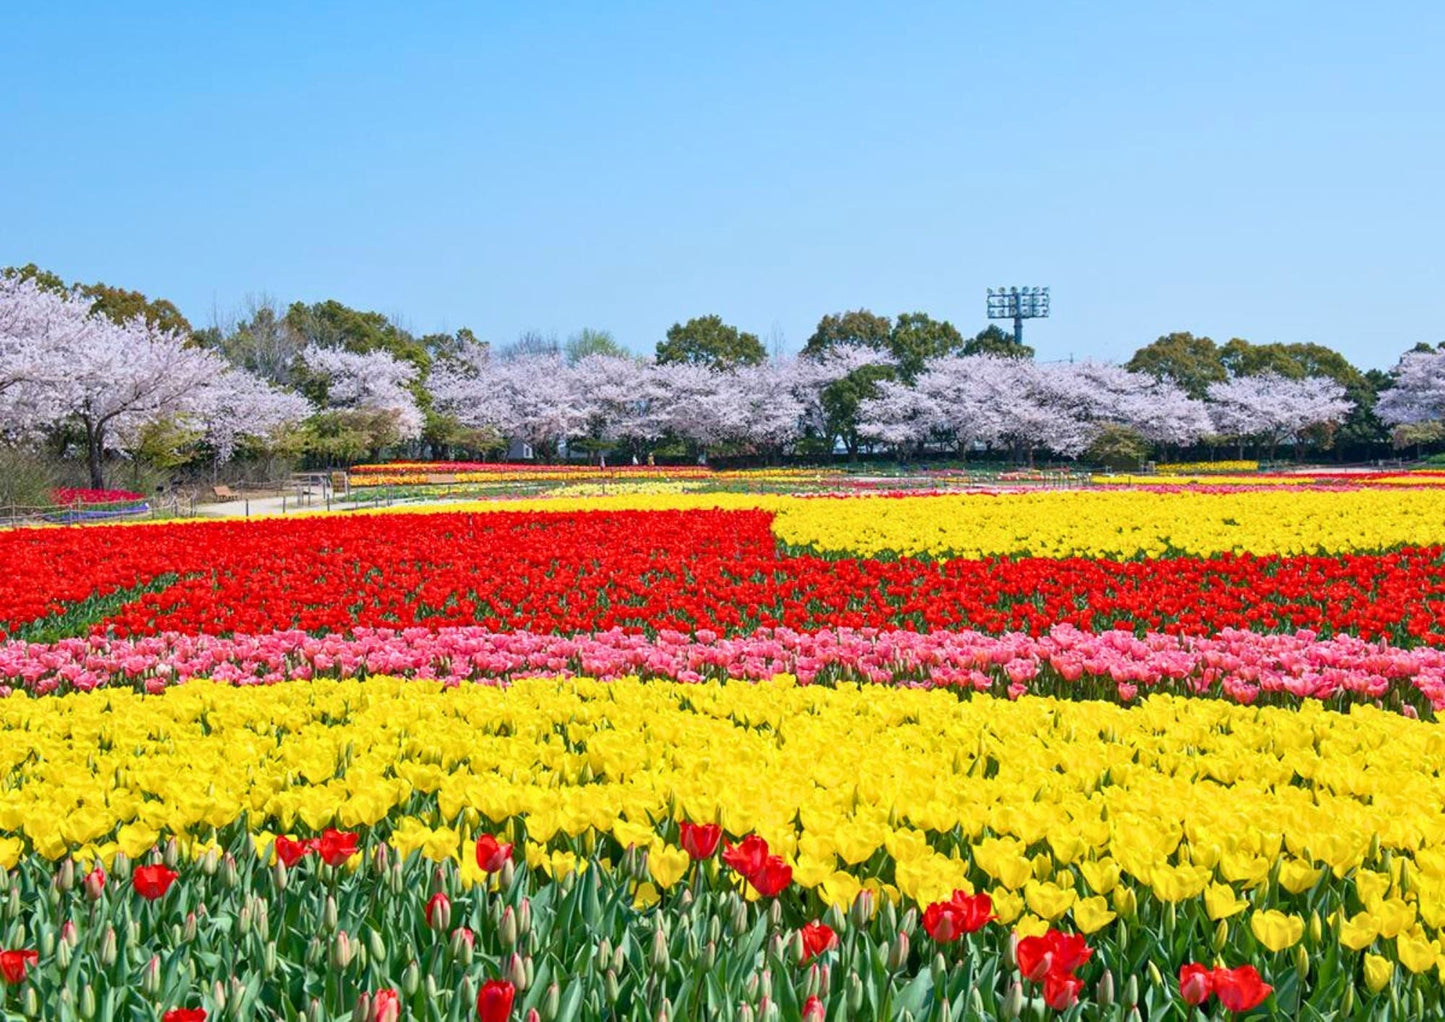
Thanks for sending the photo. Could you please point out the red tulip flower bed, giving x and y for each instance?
(657, 570)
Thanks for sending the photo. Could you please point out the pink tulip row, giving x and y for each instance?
(1239, 665)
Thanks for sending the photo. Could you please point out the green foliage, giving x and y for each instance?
(917, 337)
(859, 327)
(1192, 363)
(592, 342)
(708, 341)
(993, 341)
(349, 435)
(1118, 447)
(116, 303)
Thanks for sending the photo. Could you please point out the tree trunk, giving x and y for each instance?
(94, 453)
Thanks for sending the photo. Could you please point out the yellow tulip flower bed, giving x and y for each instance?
(1304, 849)
(1116, 524)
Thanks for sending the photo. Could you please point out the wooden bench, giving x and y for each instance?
(225, 493)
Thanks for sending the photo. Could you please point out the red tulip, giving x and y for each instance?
(494, 1001)
(13, 964)
(699, 840)
(813, 1010)
(943, 921)
(152, 882)
(336, 846)
(439, 912)
(385, 1006)
(185, 1015)
(1196, 984)
(817, 938)
(94, 883)
(290, 852)
(1035, 957)
(492, 855)
(748, 856)
(1061, 990)
(772, 878)
(1240, 989)
(974, 910)
(1054, 952)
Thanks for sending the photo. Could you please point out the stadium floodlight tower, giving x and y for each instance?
(1018, 304)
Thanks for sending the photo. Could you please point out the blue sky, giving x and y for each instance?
(1265, 170)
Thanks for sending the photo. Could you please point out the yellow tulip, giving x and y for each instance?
(1091, 914)
(1220, 902)
(1416, 952)
(1378, 971)
(1276, 930)
(667, 864)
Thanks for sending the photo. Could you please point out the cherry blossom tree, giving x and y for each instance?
(774, 398)
(531, 398)
(372, 381)
(36, 324)
(240, 404)
(1418, 394)
(1275, 409)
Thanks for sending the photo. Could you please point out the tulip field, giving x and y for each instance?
(1127, 752)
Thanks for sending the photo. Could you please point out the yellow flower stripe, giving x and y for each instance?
(1060, 810)
(1192, 467)
(1114, 523)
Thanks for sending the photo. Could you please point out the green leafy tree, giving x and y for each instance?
(708, 341)
(859, 327)
(1118, 447)
(116, 303)
(993, 341)
(1190, 362)
(917, 337)
(587, 342)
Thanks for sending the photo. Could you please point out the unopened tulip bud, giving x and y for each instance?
(218, 995)
(975, 1003)
(745, 1013)
(739, 921)
(610, 987)
(533, 1015)
(462, 943)
(188, 931)
(211, 862)
(507, 932)
(280, 875)
(524, 917)
(1131, 990)
(1125, 903)
(775, 914)
(410, 980)
(1317, 928)
(120, 866)
(1221, 935)
(377, 946)
(506, 875)
(342, 950)
(94, 884)
(62, 958)
(898, 952)
(855, 994)
(87, 1002)
(860, 913)
(330, 916)
(1301, 962)
(939, 968)
(361, 1010)
(315, 951)
(709, 956)
(551, 1002)
(439, 912)
(813, 984)
(65, 875)
(1013, 1002)
(1155, 979)
(69, 935)
(30, 1003)
(517, 972)
(150, 978)
(765, 984)
(813, 1010)
(1011, 952)
(108, 947)
(765, 1009)
(172, 853)
(909, 923)
(268, 958)
(1104, 993)
(230, 875)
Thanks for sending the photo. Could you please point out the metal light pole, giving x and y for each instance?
(1018, 304)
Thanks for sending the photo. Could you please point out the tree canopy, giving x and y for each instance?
(708, 341)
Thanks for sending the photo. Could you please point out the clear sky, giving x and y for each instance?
(1265, 170)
